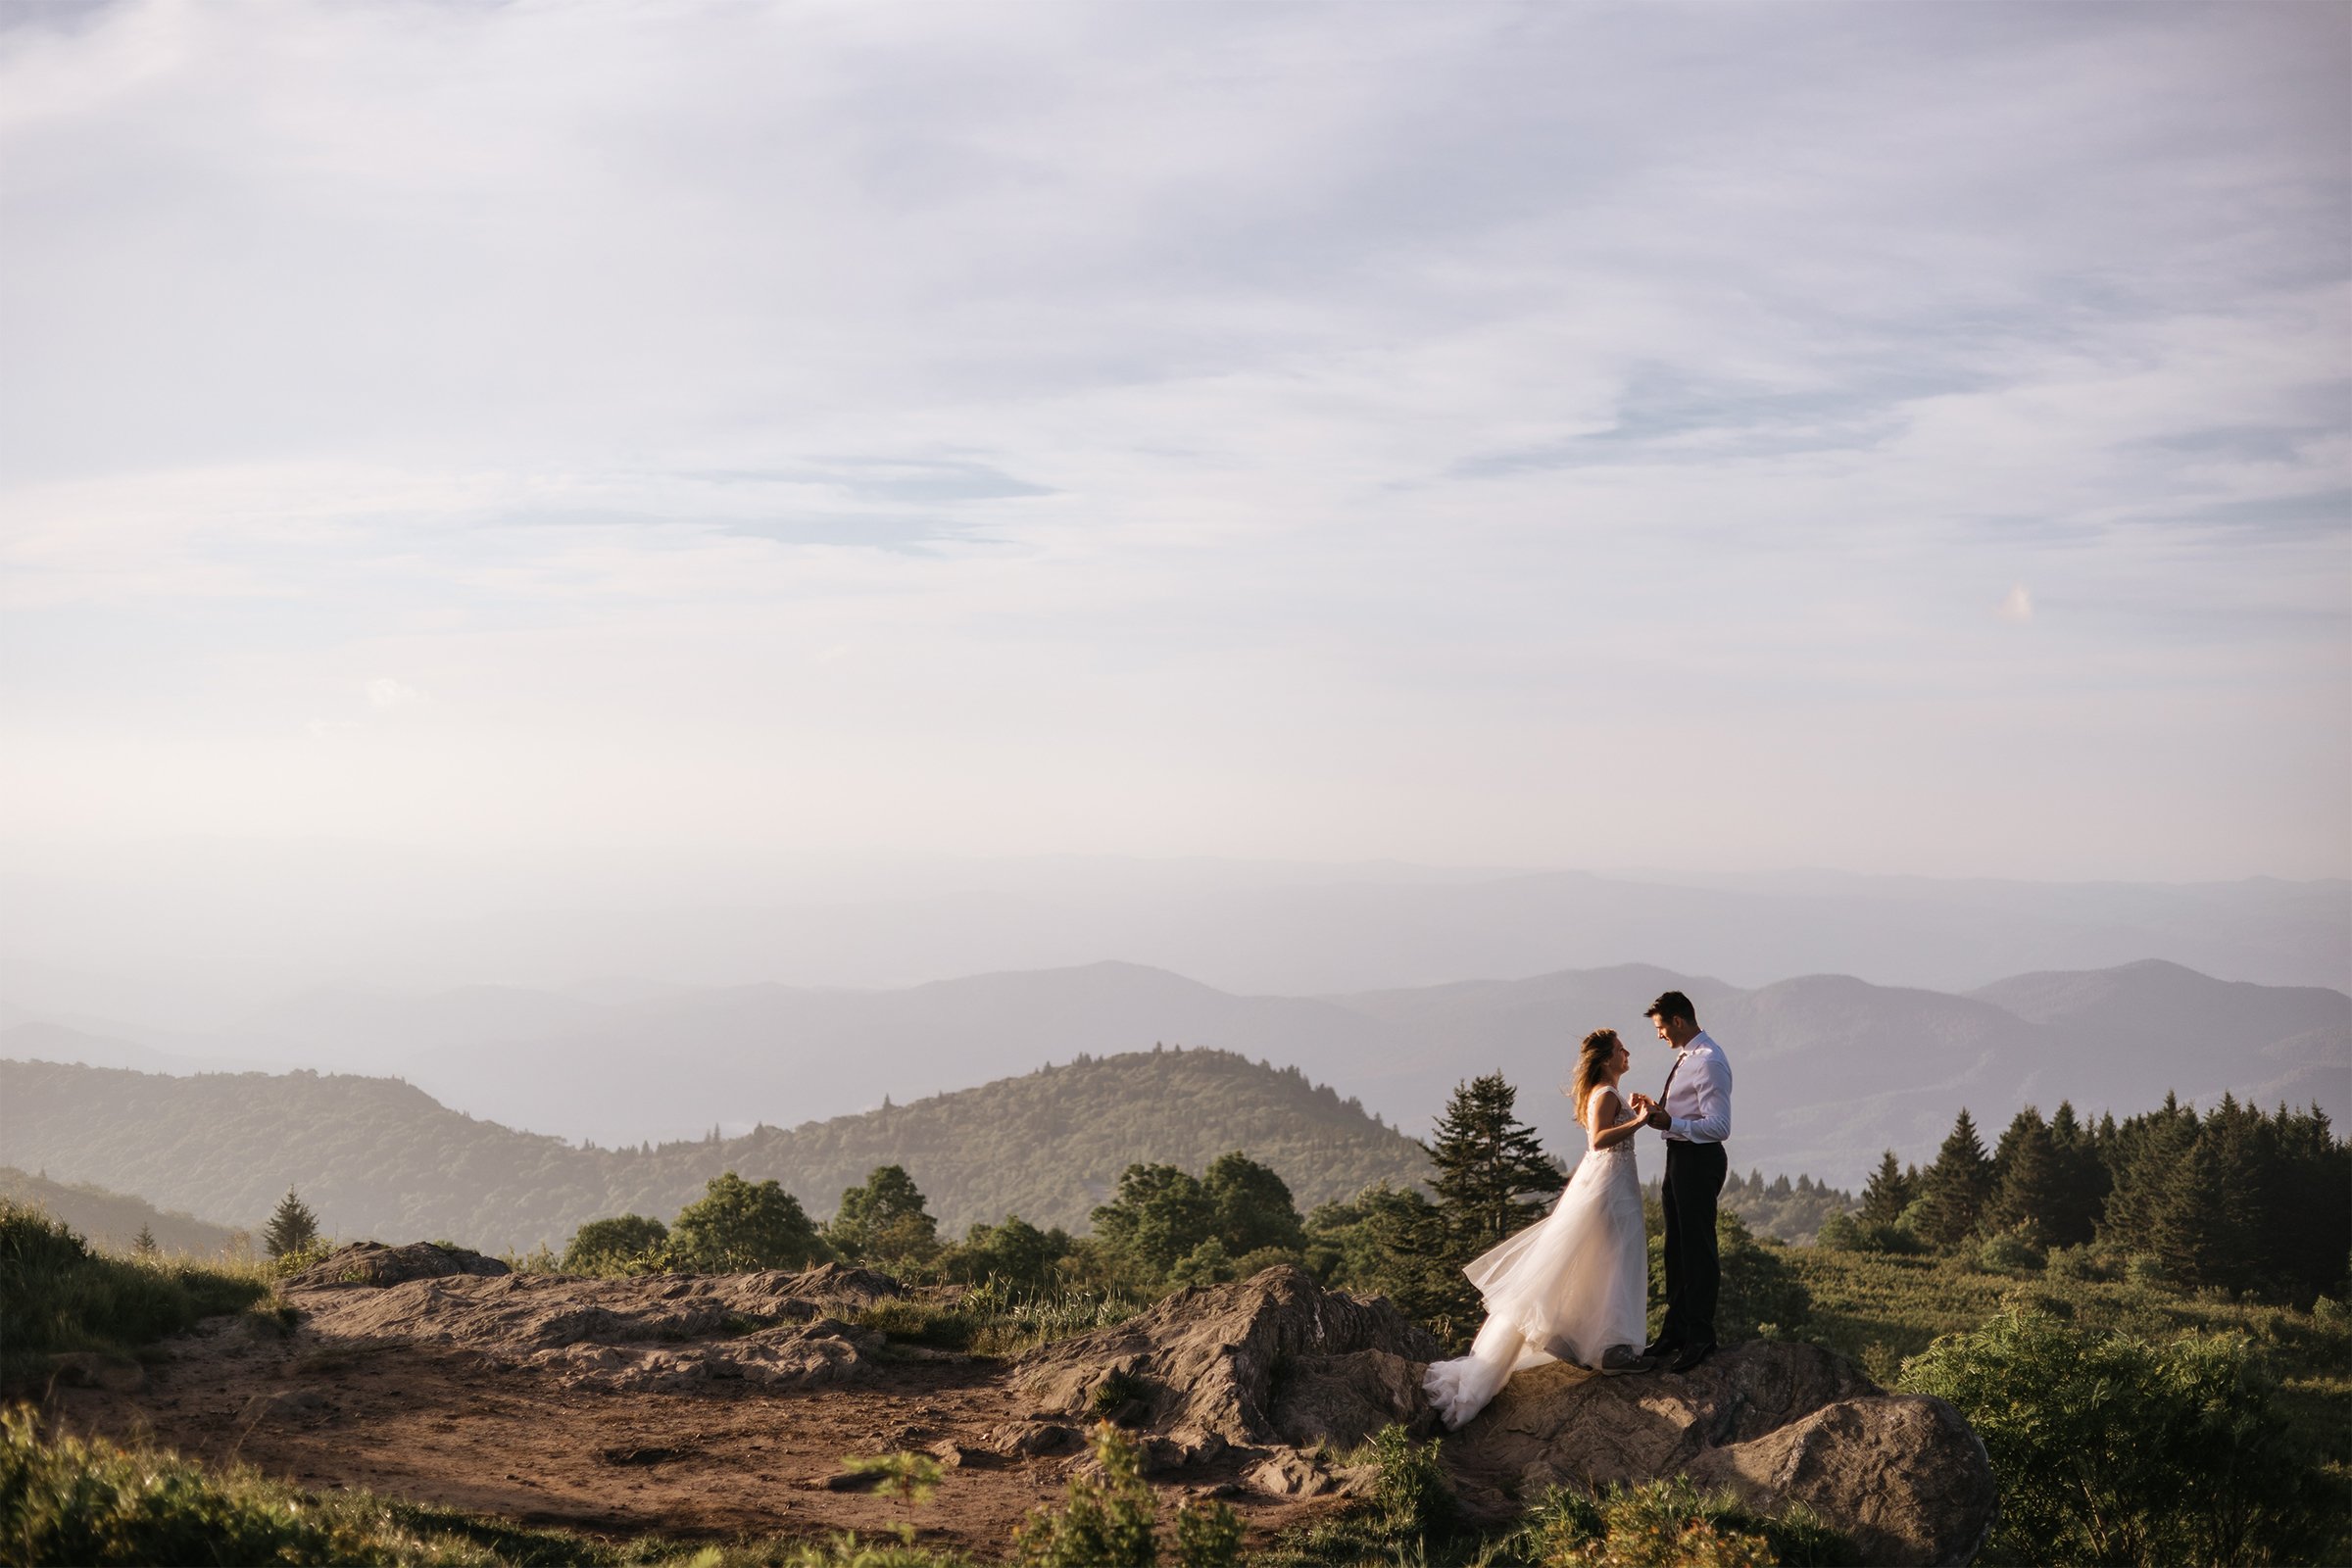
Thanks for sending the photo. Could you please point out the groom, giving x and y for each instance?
(1694, 1112)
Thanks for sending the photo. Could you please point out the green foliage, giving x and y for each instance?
(1670, 1524)
(1014, 1251)
(1251, 1207)
(1011, 1320)
(1489, 1165)
(1953, 1191)
(625, 1244)
(2012, 1251)
(2111, 1449)
(1164, 1228)
(1160, 1216)
(2236, 1200)
(1892, 1190)
(940, 1326)
(738, 1225)
(1761, 1292)
(292, 1226)
(1395, 1242)
(56, 1294)
(884, 1221)
(1113, 1522)
(292, 1261)
(392, 1160)
(1413, 1498)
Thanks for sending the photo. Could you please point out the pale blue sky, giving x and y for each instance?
(1900, 438)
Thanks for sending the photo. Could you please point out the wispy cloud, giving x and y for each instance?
(1193, 418)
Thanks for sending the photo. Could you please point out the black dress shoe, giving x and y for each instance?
(1660, 1349)
(1690, 1355)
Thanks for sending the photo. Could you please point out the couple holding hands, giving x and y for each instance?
(1575, 1286)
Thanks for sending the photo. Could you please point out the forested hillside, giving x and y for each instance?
(115, 1219)
(378, 1157)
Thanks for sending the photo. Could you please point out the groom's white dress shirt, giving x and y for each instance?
(1698, 1097)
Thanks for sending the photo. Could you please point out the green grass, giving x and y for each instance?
(58, 1294)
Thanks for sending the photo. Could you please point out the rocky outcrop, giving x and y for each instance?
(1776, 1424)
(372, 1264)
(1270, 1365)
(775, 1329)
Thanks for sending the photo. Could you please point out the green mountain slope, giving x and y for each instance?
(378, 1157)
(114, 1219)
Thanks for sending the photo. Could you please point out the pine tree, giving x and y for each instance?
(143, 1244)
(2082, 1180)
(2030, 1181)
(1889, 1194)
(292, 1226)
(1953, 1189)
(1487, 1160)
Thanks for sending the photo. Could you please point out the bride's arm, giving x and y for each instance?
(1605, 1131)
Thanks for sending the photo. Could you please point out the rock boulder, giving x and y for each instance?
(1273, 1362)
(372, 1264)
(1776, 1424)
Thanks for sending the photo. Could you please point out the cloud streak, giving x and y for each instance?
(1196, 416)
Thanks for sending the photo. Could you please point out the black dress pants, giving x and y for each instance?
(1695, 1175)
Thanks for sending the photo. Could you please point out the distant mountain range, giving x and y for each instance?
(1829, 1069)
(381, 1159)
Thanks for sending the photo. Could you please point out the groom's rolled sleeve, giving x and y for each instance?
(1713, 1123)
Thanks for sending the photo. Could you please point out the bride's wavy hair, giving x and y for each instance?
(1592, 1064)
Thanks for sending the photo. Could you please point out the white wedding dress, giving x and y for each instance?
(1567, 1288)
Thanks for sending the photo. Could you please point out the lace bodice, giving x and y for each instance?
(1623, 1149)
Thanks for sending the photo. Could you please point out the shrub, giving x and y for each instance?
(2011, 1251)
(2108, 1448)
(1668, 1524)
(1112, 1523)
(616, 1246)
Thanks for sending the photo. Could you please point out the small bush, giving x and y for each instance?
(2108, 1448)
(2012, 1251)
(917, 1322)
(1113, 1523)
(1414, 1499)
(1667, 1523)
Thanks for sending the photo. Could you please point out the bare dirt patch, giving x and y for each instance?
(690, 1408)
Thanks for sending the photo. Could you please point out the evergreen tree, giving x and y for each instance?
(1889, 1194)
(1487, 1160)
(1953, 1189)
(291, 1228)
(143, 1244)
(2083, 1181)
(2030, 1178)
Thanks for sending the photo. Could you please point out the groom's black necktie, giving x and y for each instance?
(1670, 1072)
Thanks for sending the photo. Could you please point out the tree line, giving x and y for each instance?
(2237, 1198)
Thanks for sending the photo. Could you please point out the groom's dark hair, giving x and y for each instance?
(1672, 1004)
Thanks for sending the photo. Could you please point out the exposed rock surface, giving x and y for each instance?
(1270, 1365)
(374, 1264)
(1901, 1474)
(773, 1328)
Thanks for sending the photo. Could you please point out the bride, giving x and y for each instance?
(1573, 1285)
